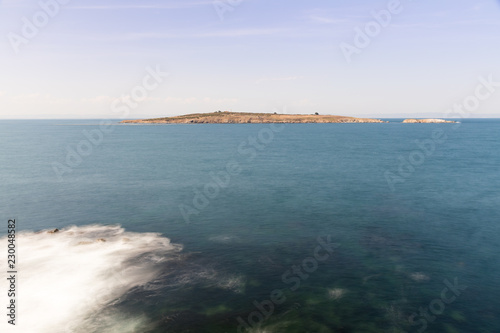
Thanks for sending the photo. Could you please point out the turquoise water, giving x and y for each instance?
(398, 229)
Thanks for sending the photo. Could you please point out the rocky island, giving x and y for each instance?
(427, 121)
(226, 117)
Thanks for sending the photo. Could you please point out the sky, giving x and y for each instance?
(80, 59)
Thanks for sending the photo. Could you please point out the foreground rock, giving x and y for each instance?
(250, 118)
(428, 121)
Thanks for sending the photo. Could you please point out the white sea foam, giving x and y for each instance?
(69, 278)
(225, 239)
(208, 276)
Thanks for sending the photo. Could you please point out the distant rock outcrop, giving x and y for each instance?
(251, 118)
(427, 121)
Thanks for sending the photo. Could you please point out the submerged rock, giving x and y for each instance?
(419, 277)
(336, 293)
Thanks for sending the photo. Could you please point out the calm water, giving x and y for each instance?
(411, 228)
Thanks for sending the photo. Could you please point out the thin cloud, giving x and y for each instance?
(152, 35)
(34, 99)
(179, 5)
(446, 24)
(137, 36)
(241, 32)
(212, 34)
(326, 20)
(287, 78)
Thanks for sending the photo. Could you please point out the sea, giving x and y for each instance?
(250, 227)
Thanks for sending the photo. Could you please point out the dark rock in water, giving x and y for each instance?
(179, 321)
(53, 231)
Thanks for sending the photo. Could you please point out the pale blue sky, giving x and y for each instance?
(262, 55)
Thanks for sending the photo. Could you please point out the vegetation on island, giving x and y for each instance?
(226, 117)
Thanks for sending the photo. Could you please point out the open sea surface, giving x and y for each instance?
(252, 227)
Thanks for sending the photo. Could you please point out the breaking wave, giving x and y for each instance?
(69, 279)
